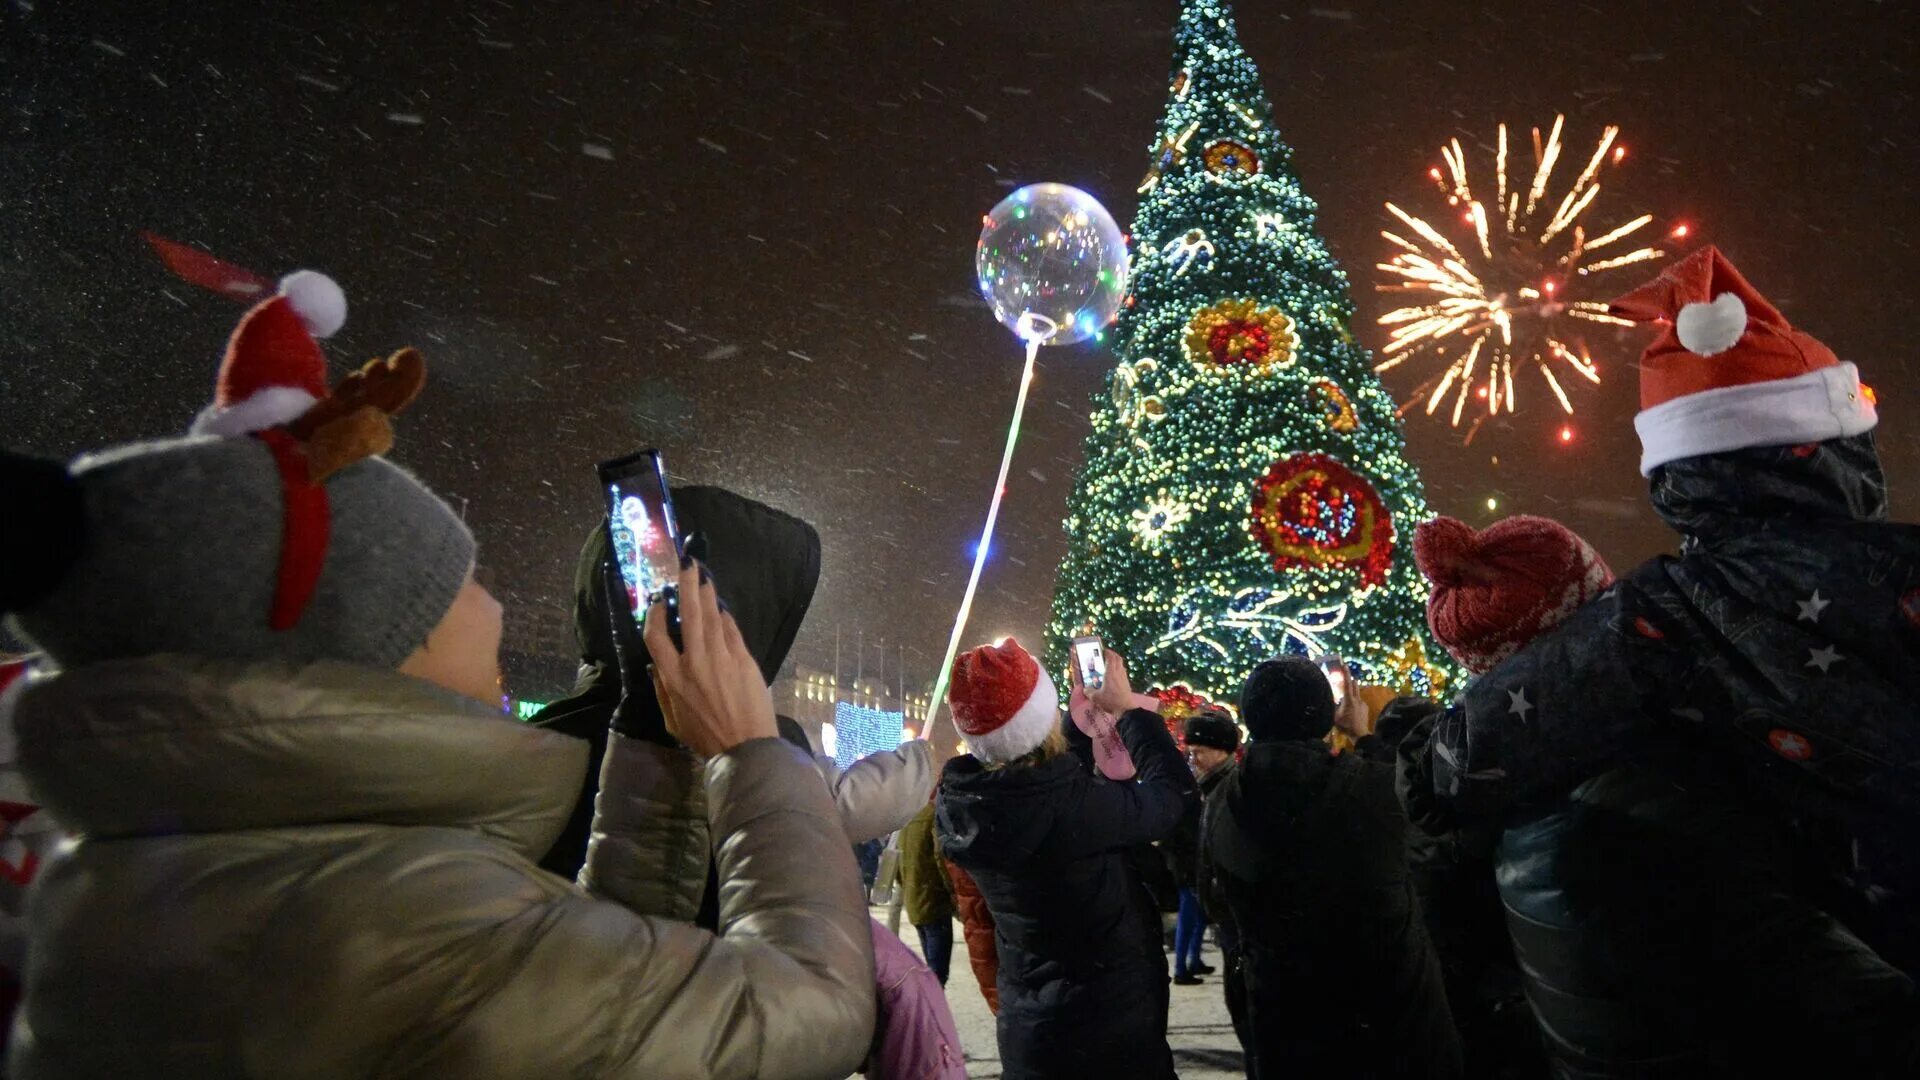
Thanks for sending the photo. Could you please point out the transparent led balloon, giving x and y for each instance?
(1053, 264)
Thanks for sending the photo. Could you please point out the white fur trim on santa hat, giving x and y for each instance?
(1823, 404)
(1025, 730)
(1711, 329)
(271, 407)
(317, 299)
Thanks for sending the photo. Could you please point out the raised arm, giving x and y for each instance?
(881, 792)
(1118, 814)
(790, 980)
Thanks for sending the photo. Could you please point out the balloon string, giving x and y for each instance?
(939, 698)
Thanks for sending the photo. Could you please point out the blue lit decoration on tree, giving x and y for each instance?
(1245, 491)
(859, 731)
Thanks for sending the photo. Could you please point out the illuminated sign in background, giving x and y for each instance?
(859, 731)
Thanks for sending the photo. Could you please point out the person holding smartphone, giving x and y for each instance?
(304, 835)
(1082, 979)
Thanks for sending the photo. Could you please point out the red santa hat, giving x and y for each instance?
(274, 370)
(1728, 372)
(1003, 703)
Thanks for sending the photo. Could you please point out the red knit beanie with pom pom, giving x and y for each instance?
(1497, 589)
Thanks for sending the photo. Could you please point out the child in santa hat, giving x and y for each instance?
(1083, 981)
(1774, 651)
(303, 832)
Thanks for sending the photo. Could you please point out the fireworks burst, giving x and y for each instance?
(1505, 296)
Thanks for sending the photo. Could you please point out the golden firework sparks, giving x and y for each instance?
(1504, 295)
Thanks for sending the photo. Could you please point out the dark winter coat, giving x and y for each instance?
(1664, 934)
(1082, 975)
(1453, 875)
(1182, 849)
(1778, 647)
(765, 564)
(1213, 902)
(1310, 851)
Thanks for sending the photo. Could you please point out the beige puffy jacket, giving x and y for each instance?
(327, 872)
(878, 794)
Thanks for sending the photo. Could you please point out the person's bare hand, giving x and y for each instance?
(1115, 695)
(716, 698)
(1351, 715)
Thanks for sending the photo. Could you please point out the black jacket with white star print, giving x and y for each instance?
(1780, 650)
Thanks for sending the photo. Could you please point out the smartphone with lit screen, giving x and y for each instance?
(1090, 657)
(1335, 670)
(643, 535)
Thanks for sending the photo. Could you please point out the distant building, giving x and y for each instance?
(872, 714)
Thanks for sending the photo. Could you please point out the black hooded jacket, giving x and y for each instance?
(1778, 650)
(765, 565)
(1082, 976)
(1309, 850)
(1704, 769)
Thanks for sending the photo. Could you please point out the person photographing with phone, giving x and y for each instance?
(304, 834)
(1082, 981)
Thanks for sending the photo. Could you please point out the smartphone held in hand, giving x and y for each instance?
(1335, 670)
(644, 538)
(1090, 659)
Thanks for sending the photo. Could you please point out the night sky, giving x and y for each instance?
(743, 231)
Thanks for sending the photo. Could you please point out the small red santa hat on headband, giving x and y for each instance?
(1002, 701)
(274, 370)
(1728, 372)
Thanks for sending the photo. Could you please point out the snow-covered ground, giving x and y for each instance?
(1198, 1029)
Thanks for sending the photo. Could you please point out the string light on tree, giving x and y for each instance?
(1510, 289)
(1245, 490)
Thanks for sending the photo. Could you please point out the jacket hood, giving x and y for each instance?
(1001, 817)
(175, 744)
(1818, 485)
(767, 564)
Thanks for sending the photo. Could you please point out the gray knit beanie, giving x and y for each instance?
(180, 546)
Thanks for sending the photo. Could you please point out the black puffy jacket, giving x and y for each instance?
(1779, 647)
(1310, 852)
(1082, 976)
(1705, 773)
(1665, 932)
(1453, 877)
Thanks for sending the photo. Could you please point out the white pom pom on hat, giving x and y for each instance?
(1730, 371)
(1713, 328)
(317, 299)
(274, 371)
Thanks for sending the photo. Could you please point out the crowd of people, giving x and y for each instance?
(1667, 829)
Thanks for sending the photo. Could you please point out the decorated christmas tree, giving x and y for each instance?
(1245, 491)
